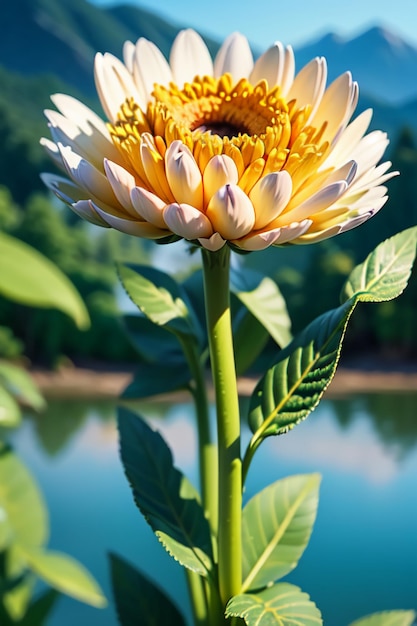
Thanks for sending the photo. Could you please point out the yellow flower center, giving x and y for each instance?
(252, 124)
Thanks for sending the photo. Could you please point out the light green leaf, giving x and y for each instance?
(18, 495)
(10, 415)
(65, 574)
(384, 274)
(39, 609)
(29, 278)
(261, 296)
(276, 527)
(17, 600)
(160, 298)
(21, 386)
(292, 388)
(165, 497)
(282, 604)
(387, 618)
(136, 595)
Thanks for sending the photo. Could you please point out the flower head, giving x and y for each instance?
(229, 150)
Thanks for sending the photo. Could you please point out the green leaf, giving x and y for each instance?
(282, 604)
(152, 379)
(21, 386)
(276, 527)
(138, 598)
(165, 497)
(10, 415)
(18, 495)
(160, 298)
(261, 296)
(384, 274)
(154, 343)
(249, 338)
(65, 574)
(39, 609)
(387, 618)
(29, 278)
(292, 388)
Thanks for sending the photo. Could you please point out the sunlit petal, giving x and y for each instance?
(187, 221)
(234, 57)
(189, 57)
(231, 212)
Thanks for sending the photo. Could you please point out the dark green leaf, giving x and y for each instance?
(261, 296)
(387, 618)
(249, 338)
(165, 497)
(154, 343)
(140, 601)
(39, 609)
(152, 379)
(282, 604)
(277, 524)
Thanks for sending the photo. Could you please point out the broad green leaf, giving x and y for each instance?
(384, 274)
(135, 595)
(261, 296)
(282, 604)
(21, 386)
(18, 495)
(18, 599)
(154, 378)
(10, 415)
(276, 527)
(65, 574)
(292, 388)
(387, 618)
(29, 278)
(160, 298)
(165, 497)
(39, 609)
(249, 338)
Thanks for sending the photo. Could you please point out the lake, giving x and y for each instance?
(362, 555)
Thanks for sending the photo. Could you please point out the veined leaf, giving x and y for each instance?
(165, 497)
(387, 618)
(136, 596)
(292, 388)
(384, 274)
(276, 527)
(21, 386)
(160, 298)
(28, 277)
(282, 604)
(65, 574)
(261, 296)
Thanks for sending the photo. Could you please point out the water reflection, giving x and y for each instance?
(365, 539)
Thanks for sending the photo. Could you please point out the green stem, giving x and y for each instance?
(217, 299)
(198, 599)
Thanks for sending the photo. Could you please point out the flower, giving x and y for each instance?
(225, 151)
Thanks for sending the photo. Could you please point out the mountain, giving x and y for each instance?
(384, 65)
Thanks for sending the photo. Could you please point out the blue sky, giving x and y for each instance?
(292, 22)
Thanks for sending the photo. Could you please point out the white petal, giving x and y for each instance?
(131, 227)
(259, 241)
(129, 55)
(318, 202)
(350, 138)
(270, 196)
(271, 65)
(52, 150)
(370, 150)
(213, 243)
(148, 206)
(288, 72)
(86, 210)
(309, 85)
(220, 170)
(86, 120)
(114, 84)
(122, 183)
(234, 57)
(187, 221)
(149, 67)
(335, 107)
(64, 189)
(231, 212)
(183, 175)
(189, 58)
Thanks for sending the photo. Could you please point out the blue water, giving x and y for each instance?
(363, 553)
